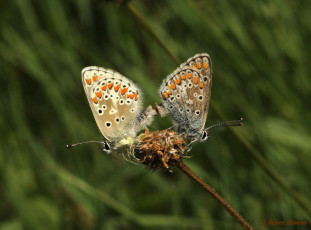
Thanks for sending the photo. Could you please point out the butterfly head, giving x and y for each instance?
(106, 147)
(204, 136)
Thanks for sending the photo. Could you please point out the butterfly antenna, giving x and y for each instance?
(84, 142)
(227, 123)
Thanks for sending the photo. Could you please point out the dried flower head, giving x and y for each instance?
(159, 149)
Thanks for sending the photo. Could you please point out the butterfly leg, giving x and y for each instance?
(145, 118)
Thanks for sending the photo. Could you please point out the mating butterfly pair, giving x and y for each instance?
(116, 102)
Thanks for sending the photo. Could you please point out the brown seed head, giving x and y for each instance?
(159, 149)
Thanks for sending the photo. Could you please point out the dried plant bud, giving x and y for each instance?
(159, 149)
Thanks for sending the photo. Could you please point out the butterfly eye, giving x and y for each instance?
(204, 136)
(106, 147)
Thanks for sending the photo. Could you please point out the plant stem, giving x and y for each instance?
(140, 19)
(264, 164)
(211, 191)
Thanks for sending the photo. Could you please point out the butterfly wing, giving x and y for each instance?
(186, 94)
(115, 101)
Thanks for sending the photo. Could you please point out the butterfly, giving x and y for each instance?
(116, 103)
(186, 95)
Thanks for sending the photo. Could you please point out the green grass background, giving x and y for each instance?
(261, 54)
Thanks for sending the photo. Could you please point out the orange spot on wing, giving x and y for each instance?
(189, 75)
(178, 81)
(136, 96)
(95, 100)
(104, 87)
(199, 65)
(88, 81)
(201, 84)
(193, 67)
(195, 80)
(172, 86)
(116, 88)
(110, 85)
(164, 96)
(98, 94)
(168, 92)
(205, 65)
(123, 91)
(95, 78)
(131, 95)
(183, 77)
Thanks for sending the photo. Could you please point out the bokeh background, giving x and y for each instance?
(260, 53)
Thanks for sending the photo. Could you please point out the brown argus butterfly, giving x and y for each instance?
(116, 103)
(186, 94)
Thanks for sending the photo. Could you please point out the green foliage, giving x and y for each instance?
(260, 53)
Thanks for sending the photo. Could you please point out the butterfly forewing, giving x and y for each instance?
(115, 101)
(186, 93)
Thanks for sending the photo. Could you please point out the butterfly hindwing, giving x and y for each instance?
(186, 93)
(115, 101)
